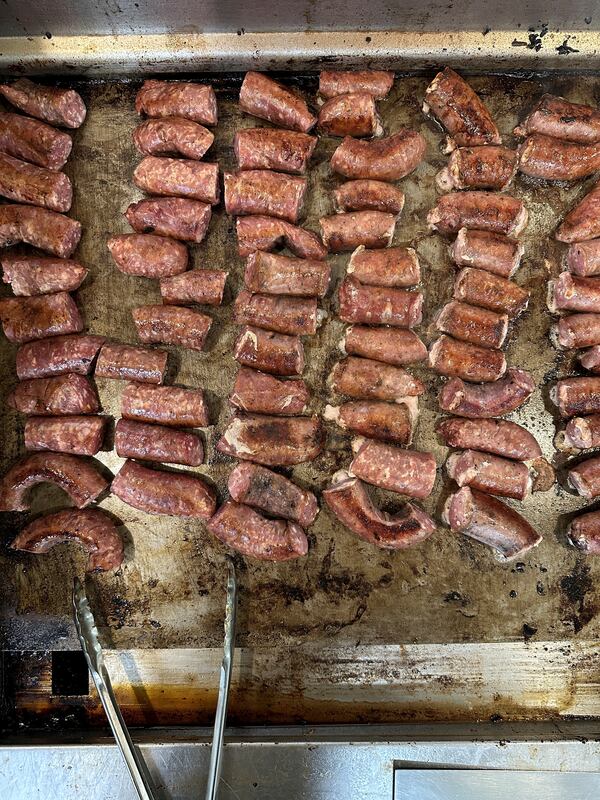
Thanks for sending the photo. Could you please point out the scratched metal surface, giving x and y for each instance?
(170, 591)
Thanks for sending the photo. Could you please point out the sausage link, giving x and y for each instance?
(265, 98)
(177, 217)
(489, 473)
(157, 443)
(353, 114)
(268, 273)
(486, 167)
(576, 331)
(456, 359)
(148, 256)
(33, 275)
(261, 393)
(472, 324)
(33, 141)
(124, 362)
(395, 266)
(584, 532)
(178, 177)
(37, 186)
(343, 232)
(27, 318)
(273, 441)
(581, 433)
(481, 288)
(365, 379)
(270, 352)
(39, 227)
(262, 192)
(369, 195)
(569, 293)
(171, 325)
(266, 148)
(554, 160)
(172, 136)
(590, 359)
(498, 436)
(485, 211)
(63, 107)
(195, 101)
(374, 81)
(583, 258)
(585, 478)
(583, 221)
(574, 396)
(492, 252)
(282, 314)
(388, 422)
(164, 405)
(75, 434)
(61, 394)
(490, 399)
(407, 472)
(376, 305)
(57, 356)
(202, 286)
(561, 119)
(268, 233)
(388, 159)
(391, 345)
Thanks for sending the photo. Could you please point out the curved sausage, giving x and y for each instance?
(33, 141)
(456, 359)
(76, 434)
(61, 394)
(177, 217)
(574, 396)
(343, 232)
(347, 498)
(282, 314)
(261, 393)
(39, 227)
(486, 167)
(175, 494)
(368, 195)
(27, 318)
(490, 399)
(576, 331)
(378, 305)
(492, 252)
(261, 488)
(202, 286)
(148, 256)
(489, 521)
(395, 266)
(63, 107)
(472, 324)
(585, 478)
(172, 135)
(569, 293)
(388, 159)
(561, 119)
(37, 186)
(407, 472)
(581, 433)
(195, 101)
(353, 114)
(33, 275)
(245, 530)
(157, 443)
(391, 345)
(489, 473)
(178, 177)
(498, 436)
(484, 289)
(590, 359)
(388, 422)
(171, 325)
(265, 98)
(583, 221)
(273, 441)
(57, 356)
(91, 528)
(374, 81)
(365, 379)
(262, 192)
(584, 532)
(485, 211)
(270, 352)
(123, 362)
(267, 148)
(553, 160)
(268, 233)
(164, 405)
(268, 273)
(583, 258)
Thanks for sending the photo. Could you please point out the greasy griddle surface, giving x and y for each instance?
(170, 592)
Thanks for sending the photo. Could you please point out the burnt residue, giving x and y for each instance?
(578, 608)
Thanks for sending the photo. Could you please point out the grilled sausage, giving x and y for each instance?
(486, 167)
(267, 148)
(585, 478)
(273, 441)
(262, 192)
(76, 476)
(577, 331)
(568, 293)
(174, 494)
(62, 107)
(583, 221)
(268, 273)
(343, 232)
(456, 359)
(260, 393)
(490, 399)
(171, 325)
(407, 472)
(395, 266)
(61, 394)
(269, 352)
(195, 101)
(33, 275)
(590, 359)
(484, 289)
(91, 528)
(561, 119)
(37, 186)
(172, 136)
(368, 195)
(388, 422)
(388, 159)
(292, 315)
(202, 286)
(245, 530)
(374, 81)
(261, 488)
(552, 160)
(489, 521)
(157, 443)
(492, 252)
(376, 305)
(452, 101)
(580, 433)
(148, 256)
(574, 396)
(123, 362)
(268, 233)
(489, 473)
(584, 532)
(57, 356)
(365, 379)
(391, 345)
(485, 211)
(473, 324)
(27, 318)
(39, 227)
(76, 434)
(353, 114)
(33, 141)
(265, 98)
(498, 436)
(583, 258)
(178, 177)
(177, 217)
(164, 405)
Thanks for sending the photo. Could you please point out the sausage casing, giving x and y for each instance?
(353, 114)
(74, 434)
(472, 324)
(583, 258)
(391, 345)
(262, 192)
(347, 231)
(268, 233)
(583, 221)
(157, 443)
(375, 305)
(127, 363)
(202, 286)
(489, 399)
(164, 405)
(195, 101)
(484, 167)
(481, 288)
(572, 293)
(267, 148)
(57, 356)
(584, 532)
(34, 141)
(148, 256)
(171, 325)
(577, 331)
(33, 275)
(485, 211)
(489, 473)
(61, 394)
(365, 379)
(407, 472)
(172, 136)
(561, 119)
(261, 393)
(369, 195)
(498, 436)
(273, 441)
(456, 359)
(555, 160)
(270, 352)
(585, 478)
(47, 230)
(395, 267)
(575, 396)
(388, 422)
(63, 107)
(388, 159)
(37, 186)
(27, 318)
(178, 177)
(282, 314)
(178, 217)
(262, 488)
(374, 81)
(492, 252)
(267, 99)
(268, 273)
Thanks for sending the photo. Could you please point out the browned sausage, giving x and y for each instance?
(269, 273)
(171, 325)
(262, 192)
(178, 177)
(175, 494)
(485, 211)
(368, 195)
(157, 443)
(378, 305)
(32, 275)
(57, 356)
(498, 436)
(27, 318)
(282, 314)
(388, 422)
(481, 288)
(343, 232)
(33, 141)
(456, 359)
(165, 405)
(585, 478)
(79, 435)
(568, 293)
(590, 359)
(576, 396)
(577, 331)
(584, 532)
(583, 258)
(63, 107)
(61, 394)
(489, 399)
(37, 186)
(202, 286)
(123, 362)
(366, 379)
(472, 324)
(267, 148)
(388, 159)
(273, 441)
(265, 98)
(552, 160)
(178, 217)
(557, 117)
(583, 221)
(395, 266)
(39, 227)
(489, 473)
(391, 345)
(374, 81)
(407, 472)
(172, 135)
(270, 352)
(195, 101)
(261, 393)
(581, 433)
(268, 233)
(353, 114)
(148, 256)
(492, 252)
(487, 167)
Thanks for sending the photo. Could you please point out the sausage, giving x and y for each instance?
(456, 359)
(33, 141)
(202, 286)
(365, 379)
(490, 399)
(454, 103)
(262, 192)
(282, 314)
(175, 494)
(261, 393)
(57, 356)
(388, 159)
(353, 114)
(27, 318)
(164, 405)
(265, 98)
(395, 266)
(489, 473)
(388, 422)
(472, 324)
(172, 136)
(407, 472)
(377, 305)
(273, 441)
(569, 293)
(391, 345)
(577, 331)
(343, 232)
(157, 443)
(33, 275)
(123, 362)
(75, 434)
(585, 478)
(261, 488)
(267, 148)
(269, 273)
(178, 177)
(91, 528)
(580, 433)
(37, 186)
(76, 476)
(270, 352)
(39, 227)
(583, 221)
(584, 532)
(243, 529)
(268, 233)
(148, 256)
(177, 217)
(486, 167)
(374, 81)
(489, 521)
(552, 160)
(498, 436)
(171, 325)
(574, 396)
(485, 211)
(590, 359)
(368, 195)
(484, 289)
(62, 107)
(492, 252)
(561, 119)
(195, 101)
(583, 258)
(61, 394)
